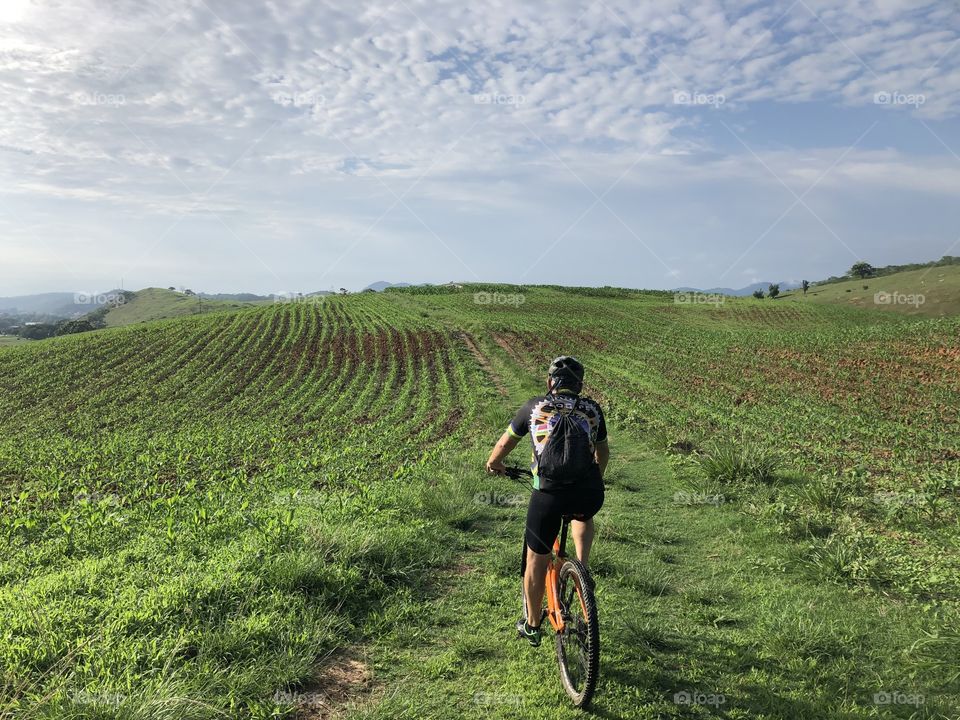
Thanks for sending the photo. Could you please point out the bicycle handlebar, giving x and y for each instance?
(515, 473)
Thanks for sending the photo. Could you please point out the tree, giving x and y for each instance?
(188, 291)
(69, 327)
(38, 331)
(806, 286)
(861, 270)
(773, 290)
(172, 288)
(758, 294)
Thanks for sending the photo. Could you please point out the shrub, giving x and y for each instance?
(733, 461)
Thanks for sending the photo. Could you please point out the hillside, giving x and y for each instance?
(248, 514)
(931, 292)
(159, 303)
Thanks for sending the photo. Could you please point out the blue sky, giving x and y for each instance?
(297, 146)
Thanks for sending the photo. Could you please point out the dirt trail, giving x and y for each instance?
(342, 683)
(502, 341)
(484, 362)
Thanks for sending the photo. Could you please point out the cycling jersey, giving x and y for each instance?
(534, 418)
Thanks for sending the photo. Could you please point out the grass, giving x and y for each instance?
(242, 617)
(693, 599)
(8, 340)
(900, 292)
(210, 517)
(731, 461)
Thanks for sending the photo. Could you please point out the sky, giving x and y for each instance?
(233, 145)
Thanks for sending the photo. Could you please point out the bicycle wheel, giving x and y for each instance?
(578, 646)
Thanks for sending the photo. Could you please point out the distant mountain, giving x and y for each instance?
(288, 296)
(235, 297)
(741, 292)
(382, 285)
(57, 304)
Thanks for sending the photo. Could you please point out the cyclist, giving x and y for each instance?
(557, 493)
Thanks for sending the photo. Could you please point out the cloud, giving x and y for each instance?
(169, 108)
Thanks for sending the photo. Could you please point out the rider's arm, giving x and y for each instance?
(505, 444)
(602, 455)
(518, 427)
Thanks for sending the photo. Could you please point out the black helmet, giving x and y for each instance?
(566, 372)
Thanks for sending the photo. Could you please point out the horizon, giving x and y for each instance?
(791, 285)
(681, 145)
(335, 290)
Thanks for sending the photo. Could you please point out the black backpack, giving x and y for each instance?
(567, 456)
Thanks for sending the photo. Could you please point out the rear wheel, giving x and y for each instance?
(578, 645)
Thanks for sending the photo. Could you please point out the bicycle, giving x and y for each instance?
(572, 612)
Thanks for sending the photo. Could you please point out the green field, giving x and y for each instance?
(281, 512)
(9, 340)
(931, 292)
(159, 303)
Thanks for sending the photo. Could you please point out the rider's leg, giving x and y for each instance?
(582, 532)
(534, 581)
(543, 524)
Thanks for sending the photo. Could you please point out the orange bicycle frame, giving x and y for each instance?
(554, 614)
(553, 589)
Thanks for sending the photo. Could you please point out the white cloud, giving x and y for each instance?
(166, 108)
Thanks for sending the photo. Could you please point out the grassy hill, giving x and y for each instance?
(273, 512)
(159, 303)
(931, 292)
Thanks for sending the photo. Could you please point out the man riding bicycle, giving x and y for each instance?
(570, 454)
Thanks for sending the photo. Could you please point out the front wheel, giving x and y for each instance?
(578, 645)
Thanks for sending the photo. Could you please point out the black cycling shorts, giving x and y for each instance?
(547, 508)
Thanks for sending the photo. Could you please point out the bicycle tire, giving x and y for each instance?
(581, 634)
